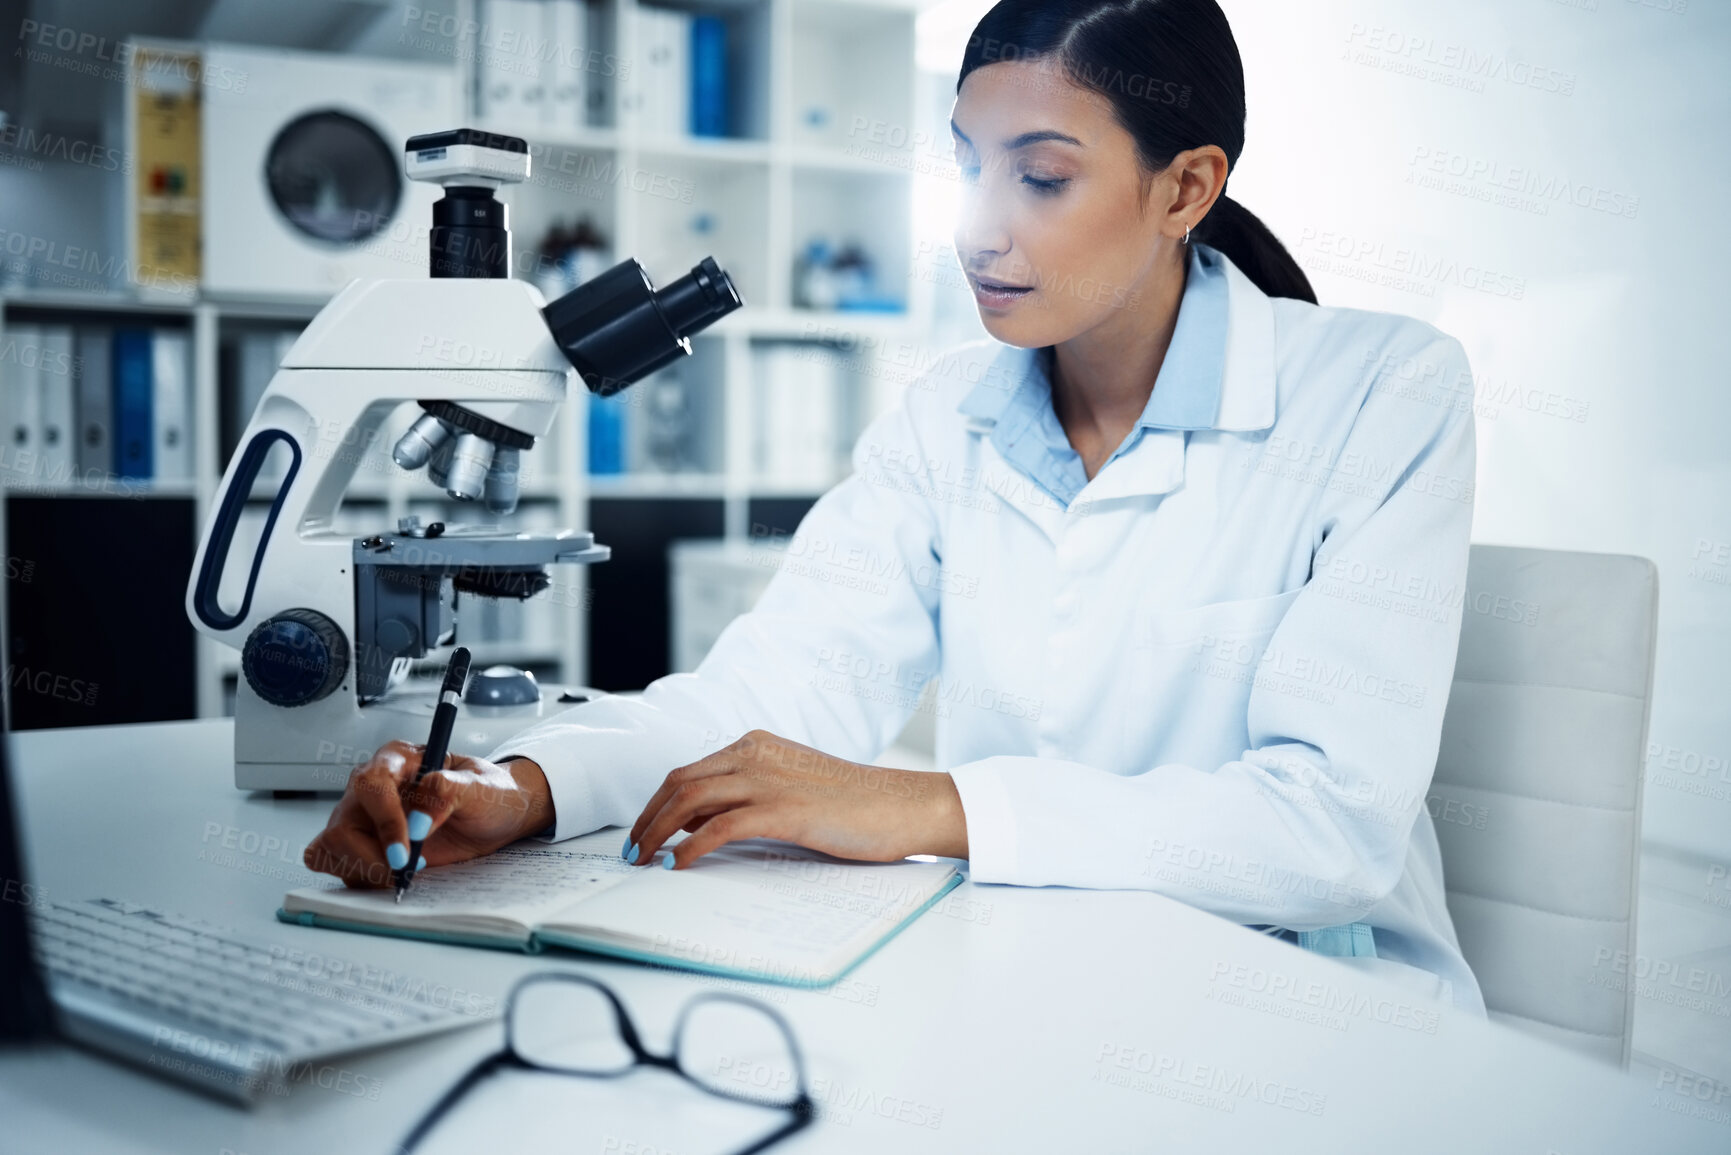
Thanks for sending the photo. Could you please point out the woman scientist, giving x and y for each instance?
(1179, 565)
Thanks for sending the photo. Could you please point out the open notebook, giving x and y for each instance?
(757, 908)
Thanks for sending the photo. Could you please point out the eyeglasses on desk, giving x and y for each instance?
(729, 1045)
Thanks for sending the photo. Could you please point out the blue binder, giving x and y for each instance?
(134, 431)
(708, 76)
(606, 435)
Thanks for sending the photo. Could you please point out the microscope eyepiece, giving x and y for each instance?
(699, 298)
(617, 328)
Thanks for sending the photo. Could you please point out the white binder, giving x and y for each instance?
(676, 106)
(21, 405)
(95, 407)
(513, 73)
(663, 82)
(566, 76)
(798, 413)
(57, 386)
(171, 403)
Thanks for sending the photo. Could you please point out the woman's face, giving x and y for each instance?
(1050, 206)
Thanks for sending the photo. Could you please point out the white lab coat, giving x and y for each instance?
(1219, 674)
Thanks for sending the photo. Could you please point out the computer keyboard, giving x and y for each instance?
(239, 1016)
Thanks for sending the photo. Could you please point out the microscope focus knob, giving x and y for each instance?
(295, 657)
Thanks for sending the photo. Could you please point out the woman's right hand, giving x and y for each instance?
(470, 808)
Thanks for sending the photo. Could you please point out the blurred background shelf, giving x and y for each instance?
(773, 135)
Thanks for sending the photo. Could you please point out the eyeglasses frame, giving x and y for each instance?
(801, 1106)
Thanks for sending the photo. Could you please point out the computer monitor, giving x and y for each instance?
(26, 1014)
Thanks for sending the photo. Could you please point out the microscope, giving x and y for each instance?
(329, 624)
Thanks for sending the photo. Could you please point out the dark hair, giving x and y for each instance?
(1171, 70)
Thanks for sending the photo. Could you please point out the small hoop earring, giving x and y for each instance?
(1186, 234)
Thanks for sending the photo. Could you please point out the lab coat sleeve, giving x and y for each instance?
(855, 594)
(1310, 826)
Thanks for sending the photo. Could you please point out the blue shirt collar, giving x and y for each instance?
(1187, 389)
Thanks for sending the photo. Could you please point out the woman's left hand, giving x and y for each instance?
(764, 786)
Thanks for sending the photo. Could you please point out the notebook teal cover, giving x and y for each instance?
(536, 943)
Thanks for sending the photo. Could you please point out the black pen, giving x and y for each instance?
(438, 743)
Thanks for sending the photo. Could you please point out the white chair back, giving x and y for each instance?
(1537, 794)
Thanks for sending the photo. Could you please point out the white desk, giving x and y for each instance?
(982, 1027)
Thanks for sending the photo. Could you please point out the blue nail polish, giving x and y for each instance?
(631, 853)
(421, 862)
(419, 823)
(625, 851)
(397, 854)
(667, 863)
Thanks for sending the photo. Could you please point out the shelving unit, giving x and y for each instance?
(799, 168)
(808, 75)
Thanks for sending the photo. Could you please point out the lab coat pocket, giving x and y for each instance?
(1190, 676)
(1246, 617)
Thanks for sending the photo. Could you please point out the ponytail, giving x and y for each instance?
(1258, 253)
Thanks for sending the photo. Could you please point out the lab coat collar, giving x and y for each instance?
(1247, 385)
(1156, 464)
